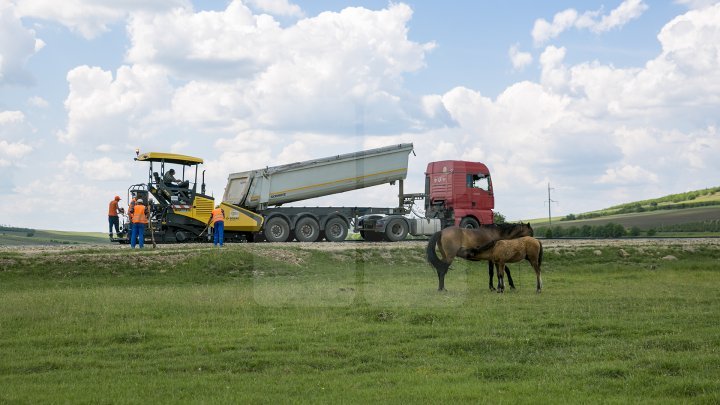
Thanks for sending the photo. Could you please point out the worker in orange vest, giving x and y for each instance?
(131, 208)
(139, 220)
(113, 218)
(217, 217)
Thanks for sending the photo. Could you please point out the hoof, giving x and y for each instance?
(492, 288)
(500, 291)
(538, 291)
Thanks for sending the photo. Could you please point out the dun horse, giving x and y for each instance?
(457, 242)
(512, 251)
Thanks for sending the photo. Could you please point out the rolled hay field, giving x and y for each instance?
(618, 321)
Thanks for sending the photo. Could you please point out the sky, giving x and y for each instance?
(606, 102)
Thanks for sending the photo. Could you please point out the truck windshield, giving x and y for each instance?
(481, 181)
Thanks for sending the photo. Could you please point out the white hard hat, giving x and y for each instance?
(139, 201)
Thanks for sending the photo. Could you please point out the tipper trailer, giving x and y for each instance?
(456, 193)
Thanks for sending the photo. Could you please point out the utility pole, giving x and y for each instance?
(549, 203)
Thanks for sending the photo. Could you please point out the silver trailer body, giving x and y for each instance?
(271, 186)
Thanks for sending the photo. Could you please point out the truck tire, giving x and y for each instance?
(336, 230)
(307, 229)
(469, 223)
(277, 229)
(371, 236)
(396, 230)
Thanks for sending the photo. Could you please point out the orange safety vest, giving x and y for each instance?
(217, 215)
(113, 209)
(139, 216)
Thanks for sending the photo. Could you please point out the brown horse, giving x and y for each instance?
(457, 242)
(511, 251)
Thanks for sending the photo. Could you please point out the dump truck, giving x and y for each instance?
(457, 193)
(255, 201)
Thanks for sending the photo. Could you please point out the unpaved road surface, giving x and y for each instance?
(356, 245)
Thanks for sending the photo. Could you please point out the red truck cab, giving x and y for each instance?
(459, 193)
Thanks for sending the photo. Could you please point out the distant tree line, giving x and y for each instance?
(28, 231)
(609, 230)
(613, 230)
(15, 229)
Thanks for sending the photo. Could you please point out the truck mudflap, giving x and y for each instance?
(238, 219)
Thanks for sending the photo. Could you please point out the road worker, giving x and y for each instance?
(139, 220)
(217, 218)
(113, 218)
(131, 208)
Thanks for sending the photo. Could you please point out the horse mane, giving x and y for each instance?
(506, 228)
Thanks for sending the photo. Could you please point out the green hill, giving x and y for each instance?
(695, 213)
(11, 236)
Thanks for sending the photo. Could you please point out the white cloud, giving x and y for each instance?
(627, 11)
(11, 117)
(652, 128)
(17, 45)
(92, 17)
(263, 75)
(624, 13)
(554, 74)
(43, 203)
(37, 101)
(101, 107)
(14, 150)
(278, 7)
(105, 169)
(543, 30)
(628, 175)
(71, 163)
(224, 72)
(696, 4)
(519, 59)
(179, 146)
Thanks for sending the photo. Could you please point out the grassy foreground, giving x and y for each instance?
(266, 324)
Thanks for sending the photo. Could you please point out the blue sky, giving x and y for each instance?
(609, 101)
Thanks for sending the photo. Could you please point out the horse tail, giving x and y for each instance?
(432, 256)
(540, 254)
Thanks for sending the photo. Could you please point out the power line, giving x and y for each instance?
(549, 204)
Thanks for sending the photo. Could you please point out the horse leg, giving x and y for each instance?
(507, 271)
(536, 267)
(491, 270)
(441, 279)
(501, 276)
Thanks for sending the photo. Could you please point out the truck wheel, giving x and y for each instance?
(307, 230)
(371, 236)
(469, 223)
(336, 230)
(277, 229)
(396, 230)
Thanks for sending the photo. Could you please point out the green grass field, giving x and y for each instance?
(643, 220)
(18, 237)
(278, 324)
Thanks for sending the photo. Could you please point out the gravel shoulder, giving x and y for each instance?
(348, 245)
